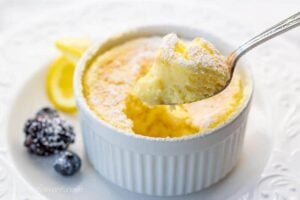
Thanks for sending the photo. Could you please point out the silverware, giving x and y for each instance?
(282, 27)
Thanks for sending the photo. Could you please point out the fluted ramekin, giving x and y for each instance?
(160, 166)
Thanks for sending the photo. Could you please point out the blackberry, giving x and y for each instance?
(47, 133)
(67, 163)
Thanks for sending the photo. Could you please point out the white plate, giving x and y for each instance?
(38, 171)
(269, 166)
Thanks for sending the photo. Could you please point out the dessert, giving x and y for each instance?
(109, 87)
(206, 135)
(183, 72)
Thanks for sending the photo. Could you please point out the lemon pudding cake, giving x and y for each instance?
(113, 87)
(183, 72)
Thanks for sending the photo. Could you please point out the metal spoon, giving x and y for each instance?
(282, 27)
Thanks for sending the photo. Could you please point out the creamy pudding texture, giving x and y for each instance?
(183, 72)
(108, 83)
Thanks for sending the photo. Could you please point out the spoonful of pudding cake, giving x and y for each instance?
(185, 72)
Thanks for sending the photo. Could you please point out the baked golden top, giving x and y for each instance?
(108, 85)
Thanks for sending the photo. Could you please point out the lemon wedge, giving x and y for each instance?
(59, 80)
(72, 48)
(59, 84)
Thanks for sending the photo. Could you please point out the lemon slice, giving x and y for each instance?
(59, 81)
(72, 48)
(59, 84)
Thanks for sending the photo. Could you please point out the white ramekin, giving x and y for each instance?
(160, 166)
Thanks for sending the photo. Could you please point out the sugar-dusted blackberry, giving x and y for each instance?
(67, 163)
(47, 133)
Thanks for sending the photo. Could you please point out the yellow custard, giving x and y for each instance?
(183, 72)
(109, 80)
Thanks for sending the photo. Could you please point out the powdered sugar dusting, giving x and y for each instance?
(111, 76)
(197, 55)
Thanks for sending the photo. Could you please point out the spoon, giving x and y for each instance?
(282, 27)
(149, 90)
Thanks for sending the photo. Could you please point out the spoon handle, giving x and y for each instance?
(287, 24)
